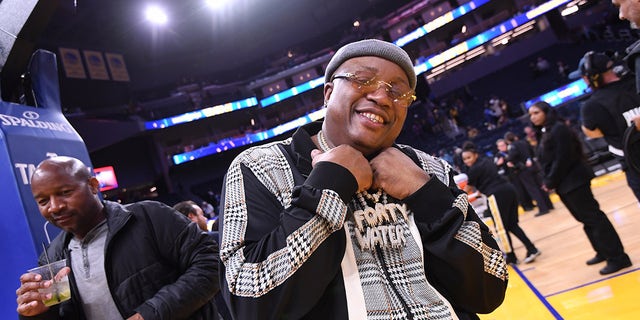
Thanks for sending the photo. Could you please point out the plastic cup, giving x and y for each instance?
(59, 289)
(461, 180)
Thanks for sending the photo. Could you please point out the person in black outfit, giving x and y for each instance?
(501, 161)
(609, 111)
(566, 170)
(483, 175)
(520, 160)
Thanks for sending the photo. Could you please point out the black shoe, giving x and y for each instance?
(595, 260)
(511, 258)
(540, 213)
(528, 208)
(612, 267)
(531, 256)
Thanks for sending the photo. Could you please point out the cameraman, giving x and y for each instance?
(630, 10)
(606, 113)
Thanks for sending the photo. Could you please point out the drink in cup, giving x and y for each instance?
(59, 289)
(461, 180)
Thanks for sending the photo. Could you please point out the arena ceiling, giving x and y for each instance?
(239, 35)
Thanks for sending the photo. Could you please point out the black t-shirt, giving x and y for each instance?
(484, 176)
(613, 99)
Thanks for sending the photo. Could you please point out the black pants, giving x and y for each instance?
(603, 237)
(508, 205)
(633, 180)
(523, 196)
(528, 179)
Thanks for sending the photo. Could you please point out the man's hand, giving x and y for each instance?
(136, 316)
(349, 158)
(397, 174)
(636, 120)
(592, 134)
(29, 299)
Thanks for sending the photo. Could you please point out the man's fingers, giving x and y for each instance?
(30, 277)
(31, 286)
(62, 273)
(31, 308)
(315, 152)
(31, 299)
(24, 308)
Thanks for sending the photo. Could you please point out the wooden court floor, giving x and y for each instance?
(558, 284)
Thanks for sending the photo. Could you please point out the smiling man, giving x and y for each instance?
(341, 222)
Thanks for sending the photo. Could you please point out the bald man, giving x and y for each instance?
(138, 261)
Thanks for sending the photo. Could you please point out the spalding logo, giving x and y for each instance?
(31, 115)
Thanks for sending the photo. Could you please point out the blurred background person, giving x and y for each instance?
(521, 160)
(607, 112)
(483, 175)
(501, 161)
(192, 211)
(566, 170)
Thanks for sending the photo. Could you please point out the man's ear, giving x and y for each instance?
(328, 89)
(94, 185)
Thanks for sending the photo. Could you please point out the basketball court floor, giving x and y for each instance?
(558, 284)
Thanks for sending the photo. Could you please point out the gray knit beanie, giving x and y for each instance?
(376, 48)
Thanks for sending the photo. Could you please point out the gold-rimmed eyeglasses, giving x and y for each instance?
(400, 96)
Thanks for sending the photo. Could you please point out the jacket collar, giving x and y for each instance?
(301, 146)
(117, 216)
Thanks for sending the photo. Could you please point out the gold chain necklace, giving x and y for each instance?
(375, 198)
(377, 224)
(322, 141)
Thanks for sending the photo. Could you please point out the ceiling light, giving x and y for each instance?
(156, 15)
(569, 10)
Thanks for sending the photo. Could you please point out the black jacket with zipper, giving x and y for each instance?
(157, 263)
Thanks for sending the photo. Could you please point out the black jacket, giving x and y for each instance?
(157, 264)
(562, 159)
(519, 153)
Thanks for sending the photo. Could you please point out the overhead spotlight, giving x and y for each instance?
(464, 29)
(356, 23)
(156, 15)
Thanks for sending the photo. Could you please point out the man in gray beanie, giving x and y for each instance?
(341, 222)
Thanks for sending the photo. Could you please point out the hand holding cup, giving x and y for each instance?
(43, 287)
